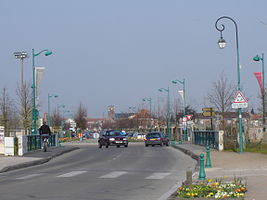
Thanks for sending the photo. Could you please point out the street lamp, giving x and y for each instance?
(168, 110)
(258, 58)
(183, 96)
(63, 116)
(132, 108)
(48, 117)
(35, 112)
(222, 44)
(21, 55)
(150, 114)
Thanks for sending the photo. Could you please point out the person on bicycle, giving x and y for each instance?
(44, 129)
(45, 132)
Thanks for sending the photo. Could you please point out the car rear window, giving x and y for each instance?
(114, 133)
(153, 135)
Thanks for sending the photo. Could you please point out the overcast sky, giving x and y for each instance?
(120, 51)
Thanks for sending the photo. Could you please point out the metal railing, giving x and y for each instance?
(206, 138)
(34, 142)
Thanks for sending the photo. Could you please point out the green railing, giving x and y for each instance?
(206, 138)
(34, 142)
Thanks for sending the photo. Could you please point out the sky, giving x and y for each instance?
(117, 52)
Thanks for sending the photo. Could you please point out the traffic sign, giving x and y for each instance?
(240, 98)
(239, 101)
(208, 112)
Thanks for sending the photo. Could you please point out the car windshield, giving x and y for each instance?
(153, 135)
(115, 133)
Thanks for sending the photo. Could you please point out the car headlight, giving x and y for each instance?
(111, 139)
(124, 138)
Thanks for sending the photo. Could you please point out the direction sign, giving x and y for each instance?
(208, 112)
(239, 101)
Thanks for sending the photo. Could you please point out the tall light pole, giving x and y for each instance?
(49, 117)
(168, 110)
(258, 58)
(132, 108)
(222, 44)
(35, 112)
(183, 96)
(150, 112)
(21, 55)
(63, 116)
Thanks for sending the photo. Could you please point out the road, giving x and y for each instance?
(133, 173)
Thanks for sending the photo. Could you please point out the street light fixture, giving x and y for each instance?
(21, 55)
(63, 116)
(183, 83)
(49, 117)
(35, 112)
(222, 44)
(150, 113)
(168, 110)
(258, 58)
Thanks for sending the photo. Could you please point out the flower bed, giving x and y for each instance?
(212, 189)
(68, 139)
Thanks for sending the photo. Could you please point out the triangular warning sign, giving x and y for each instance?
(240, 98)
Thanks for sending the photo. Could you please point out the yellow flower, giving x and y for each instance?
(210, 180)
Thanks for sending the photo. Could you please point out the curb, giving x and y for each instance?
(190, 153)
(37, 162)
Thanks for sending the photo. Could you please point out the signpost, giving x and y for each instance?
(209, 112)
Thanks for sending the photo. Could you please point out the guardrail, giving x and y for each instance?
(34, 142)
(206, 137)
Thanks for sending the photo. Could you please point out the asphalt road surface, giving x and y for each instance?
(133, 173)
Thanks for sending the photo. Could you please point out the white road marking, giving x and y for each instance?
(158, 176)
(71, 174)
(28, 176)
(115, 174)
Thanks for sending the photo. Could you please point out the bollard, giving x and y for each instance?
(202, 174)
(208, 161)
(189, 175)
(180, 141)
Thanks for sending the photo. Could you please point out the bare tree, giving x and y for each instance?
(55, 118)
(221, 95)
(6, 106)
(81, 117)
(24, 102)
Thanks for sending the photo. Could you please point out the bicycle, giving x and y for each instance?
(45, 141)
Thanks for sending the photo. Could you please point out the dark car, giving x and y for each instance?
(113, 138)
(156, 138)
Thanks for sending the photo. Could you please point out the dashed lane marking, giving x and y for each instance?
(28, 176)
(158, 176)
(115, 174)
(71, 174)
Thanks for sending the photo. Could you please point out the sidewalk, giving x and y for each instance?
(251, 166)
(32, 158)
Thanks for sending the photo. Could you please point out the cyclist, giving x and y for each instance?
(45, 132)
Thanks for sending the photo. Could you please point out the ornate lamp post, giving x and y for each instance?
(183, 83)
(35, 112)
(168, 110)
(258, 58)
(150, 112)
(222, 44)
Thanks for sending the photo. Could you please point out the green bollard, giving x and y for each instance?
(208, 161)
(202, 174)
(180, 141)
